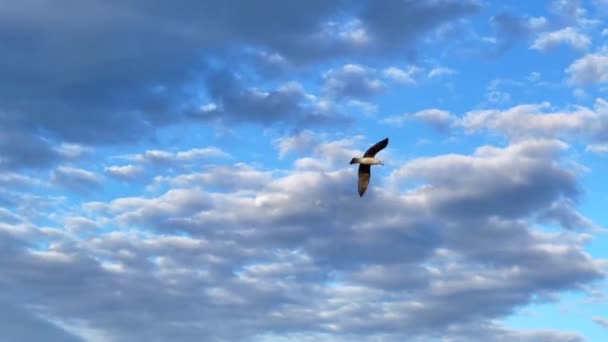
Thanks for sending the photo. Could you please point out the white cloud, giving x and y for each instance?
(127, 172)
(18, 180)
(367, 108)
(534, 76)
(354, 32)
(440, 72)
(534, 120)
(495, 96)
(73, 151)
(568, 36)
(580, 93)
(438, 118)
(597, 148)
(301, 142)
(570, 9)
(165, 157)
(237, 177)
(201, 153)
(589, 69)
(400, 76)
(80, 224)
(537, 23)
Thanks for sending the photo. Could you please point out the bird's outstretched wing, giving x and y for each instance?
(364, 175)
(377, 147)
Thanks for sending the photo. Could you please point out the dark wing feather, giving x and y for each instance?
(364, 175)
(377, 147)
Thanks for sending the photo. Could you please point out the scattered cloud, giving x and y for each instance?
(571, 10)
(238, 177)
(603, 322)
(440, 72)
(400, 76)
(352, 81)
(302, 142)
(597, 148)
(80, 224)
(589, 69)
(534, 76)
(568, 36)
(439, 119)
(580, 93)
(233, 103)
(534, 120)
(511, 29)
(168, 157)
(75, 179)
(124, 172)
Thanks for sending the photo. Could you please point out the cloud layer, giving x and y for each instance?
(295, 252)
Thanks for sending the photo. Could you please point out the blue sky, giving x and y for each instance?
(179, 171)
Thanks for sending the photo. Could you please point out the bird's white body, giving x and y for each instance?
(368, 161)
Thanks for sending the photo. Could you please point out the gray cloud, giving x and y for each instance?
(511, 182)
(19, 181)
(352, 81)
(68, 76)
(565, 213)
(497, 333)
(8, 217)
(21, 150)
(603, 322)
(19, 325)
(396, 21)
(75, 179)
(512, 29)
(232, 102)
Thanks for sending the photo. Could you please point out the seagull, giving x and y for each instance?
(366, 162)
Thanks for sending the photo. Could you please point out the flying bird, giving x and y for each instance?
(366, 162)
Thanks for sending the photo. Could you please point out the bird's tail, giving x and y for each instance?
(354, 161)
